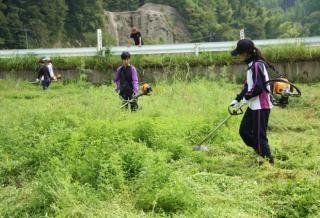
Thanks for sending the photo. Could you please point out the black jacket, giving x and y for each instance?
(44, 71)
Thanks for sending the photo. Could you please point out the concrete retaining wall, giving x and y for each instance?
(302, 71)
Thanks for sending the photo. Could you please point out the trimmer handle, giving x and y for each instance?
(234, 111)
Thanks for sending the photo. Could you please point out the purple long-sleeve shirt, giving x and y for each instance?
(134, 76)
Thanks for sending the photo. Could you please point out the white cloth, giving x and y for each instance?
(50, 67)
(234, 103)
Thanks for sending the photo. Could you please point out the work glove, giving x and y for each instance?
(244, 101)
(134, 95)
(234, 103)
(37, 80)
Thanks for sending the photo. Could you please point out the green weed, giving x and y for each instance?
(71, 152)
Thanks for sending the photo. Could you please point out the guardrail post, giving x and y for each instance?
(197, 49)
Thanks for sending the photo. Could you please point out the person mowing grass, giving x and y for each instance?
(50, 67)
(126, 80)
(253, 128)
(44, 74)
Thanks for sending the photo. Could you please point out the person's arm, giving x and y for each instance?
(258, 81)
(117, 79)
(140, 40)
(241, 95)
(50, 67)
(135, 81)
(129, 40)
(40, 73)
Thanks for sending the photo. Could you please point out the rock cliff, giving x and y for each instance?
(157, 24)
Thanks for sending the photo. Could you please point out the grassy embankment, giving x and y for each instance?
(273, 54)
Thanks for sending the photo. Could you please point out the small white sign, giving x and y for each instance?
(99, 40)
(242, 34)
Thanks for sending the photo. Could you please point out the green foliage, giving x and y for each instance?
(82, 20)
(112, 177)
(71, 152)
(69, 23)
(216, 20)
(181, 61)
(34, 24)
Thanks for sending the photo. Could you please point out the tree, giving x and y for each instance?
(55, 18)
(48, 23)
(3, 23)
(12, 30)
(290, 30)
(83, 18)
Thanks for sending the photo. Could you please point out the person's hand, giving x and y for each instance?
(234, 103)
(37, 80)
(244, 101)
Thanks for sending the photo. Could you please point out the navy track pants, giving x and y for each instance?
(253, 131)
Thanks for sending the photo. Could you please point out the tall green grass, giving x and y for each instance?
(71, 152)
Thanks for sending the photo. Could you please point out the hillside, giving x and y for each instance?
(157, 23)
(69, 23)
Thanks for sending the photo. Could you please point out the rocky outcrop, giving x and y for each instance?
(157, 24)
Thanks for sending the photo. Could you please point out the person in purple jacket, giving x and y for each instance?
(127, 81)
(254, 125)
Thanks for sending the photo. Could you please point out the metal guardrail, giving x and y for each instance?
(157, 49)
(210, 46)
(92, 51)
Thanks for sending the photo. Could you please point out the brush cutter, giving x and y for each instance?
(281, 89)
(146, 90)
(54, 79)
(35, 82)
(233, 111)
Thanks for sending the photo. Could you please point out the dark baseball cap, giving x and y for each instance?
(125, 55)
(243, 45)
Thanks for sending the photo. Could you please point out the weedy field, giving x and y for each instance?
(70, 152)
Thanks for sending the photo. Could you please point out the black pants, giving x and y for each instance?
(253, 131)
(45, 84)
(128, 96)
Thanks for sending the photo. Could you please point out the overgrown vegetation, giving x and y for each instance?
(273, 54)
(70, 152)
(46, 23)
